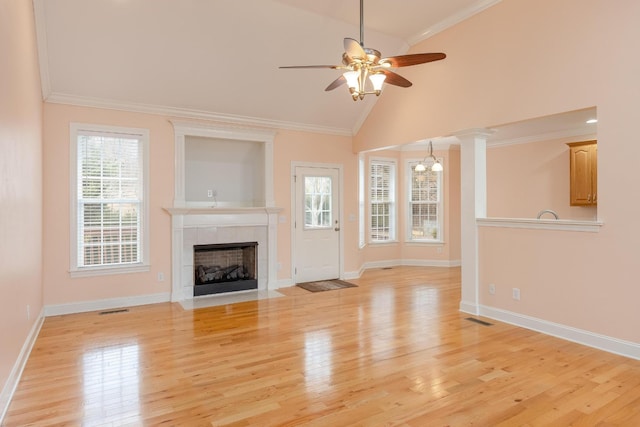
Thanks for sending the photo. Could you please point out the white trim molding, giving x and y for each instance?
(410, 263)
(580, 336)
(452, 20)
(16, 372)
(105, 304)
(185, 113)
(43, 53)
(541, 224)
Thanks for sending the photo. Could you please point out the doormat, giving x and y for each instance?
(325, 285)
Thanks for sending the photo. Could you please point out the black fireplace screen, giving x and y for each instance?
(225, 267)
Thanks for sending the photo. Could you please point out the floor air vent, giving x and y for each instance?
(119, 310)
(481, 322)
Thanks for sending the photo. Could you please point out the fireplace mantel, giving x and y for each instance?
(206, 225)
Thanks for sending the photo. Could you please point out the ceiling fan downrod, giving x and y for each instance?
(362, 23)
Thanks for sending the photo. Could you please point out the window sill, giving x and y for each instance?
(383, 243)
(424, 243)
(105, 271)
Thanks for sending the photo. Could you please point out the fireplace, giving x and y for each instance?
(200, 220)
(225, 267)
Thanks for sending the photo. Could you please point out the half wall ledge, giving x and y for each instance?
(541, 224)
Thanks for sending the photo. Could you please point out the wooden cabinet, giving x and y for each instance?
(583, 160)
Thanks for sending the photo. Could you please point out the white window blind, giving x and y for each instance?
(425, 212)
(109, 198)
(382, 201)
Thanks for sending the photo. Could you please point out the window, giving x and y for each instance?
(317, 202)
(425, 204)
(382, 199)
(109, 194)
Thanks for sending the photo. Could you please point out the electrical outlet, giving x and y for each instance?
(160, 276)
(439, 250)
(28, 312)
(209, 193)
(492, 289)
(516, 294)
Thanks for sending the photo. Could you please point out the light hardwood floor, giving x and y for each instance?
(393, 351)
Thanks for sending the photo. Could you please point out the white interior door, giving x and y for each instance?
(317, 224)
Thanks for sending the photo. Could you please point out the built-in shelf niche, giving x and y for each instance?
(223, 167)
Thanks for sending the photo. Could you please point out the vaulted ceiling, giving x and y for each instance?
(219, 59)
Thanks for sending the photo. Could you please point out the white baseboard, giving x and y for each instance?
(469, 307)
(18, 366)
(411, 262)
(349, 275)
(431, 263)
(580, 336)
(284, 283)
(105, 304)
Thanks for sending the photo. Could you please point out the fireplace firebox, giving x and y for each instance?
(226, 267)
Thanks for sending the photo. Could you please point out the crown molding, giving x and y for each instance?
(185, 113)
(452, 20)
(41, 42)
(567, 133)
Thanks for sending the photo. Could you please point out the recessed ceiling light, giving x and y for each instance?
(591, 121)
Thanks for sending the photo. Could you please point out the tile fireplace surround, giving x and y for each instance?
(202, 226)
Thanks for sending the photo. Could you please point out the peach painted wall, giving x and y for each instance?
(531, 58)
(20, 183)
(453, 212)
(292, 146)
(59, 287)
(401, 250)
(289, 146)
(536, 176)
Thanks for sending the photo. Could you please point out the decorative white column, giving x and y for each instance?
(473, 204)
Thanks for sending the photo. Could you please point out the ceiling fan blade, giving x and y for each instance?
(333, 67)
(396, 79)
(336, 83)
(413, 59)
(353, 49)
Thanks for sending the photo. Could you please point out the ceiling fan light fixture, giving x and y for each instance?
(352, 79)
(377, 80)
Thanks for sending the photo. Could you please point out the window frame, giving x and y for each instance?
(323, 211)
(362, 221)
(75, 270)
(409, 170)
(393, 202)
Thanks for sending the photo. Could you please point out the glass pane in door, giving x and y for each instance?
(317, 201)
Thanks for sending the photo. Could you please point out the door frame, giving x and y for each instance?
(339, 168)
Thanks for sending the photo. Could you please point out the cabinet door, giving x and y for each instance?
(582, 178)
(594, 174)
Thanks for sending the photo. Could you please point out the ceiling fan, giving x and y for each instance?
(360, 63)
